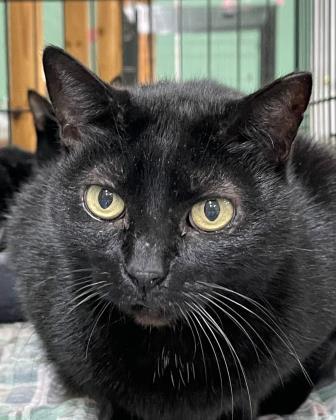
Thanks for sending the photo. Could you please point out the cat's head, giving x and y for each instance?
(171, 190)
(46, 127)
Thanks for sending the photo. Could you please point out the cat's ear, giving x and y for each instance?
(275, 113)
(116, 81)
(41, 109)
(78, 96)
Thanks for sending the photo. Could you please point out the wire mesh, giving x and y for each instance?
(243, 44)
(322, 64)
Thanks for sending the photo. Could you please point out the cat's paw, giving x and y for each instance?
(106, 411)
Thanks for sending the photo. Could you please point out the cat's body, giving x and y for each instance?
(15, 168)
(17, 165)
(46, 128)
(132, 310)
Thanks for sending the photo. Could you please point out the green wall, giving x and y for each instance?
(53, 23)
(224, 53)
(285, 39)
(3, 59)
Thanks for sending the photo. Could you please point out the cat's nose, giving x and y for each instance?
(146, 280)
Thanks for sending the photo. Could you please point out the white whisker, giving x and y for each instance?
(252, 328)
(202, 349)
(91, 296)
(95, 324)
(284, 339)
(210, 300)
(185, 316)
(196, 309)
(234, 353)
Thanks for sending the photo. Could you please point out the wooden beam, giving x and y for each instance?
(109, 39)
(25, 70)
(145, 59)
(40, 84)
(145, 50)
(76, 28)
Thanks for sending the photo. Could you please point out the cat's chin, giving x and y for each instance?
(147, 320)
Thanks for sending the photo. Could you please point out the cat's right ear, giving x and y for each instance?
(78, 96)
(41, 109)
(117, 81)
(273, 114)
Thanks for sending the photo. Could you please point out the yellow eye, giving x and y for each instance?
(212, 215)
(103, 203)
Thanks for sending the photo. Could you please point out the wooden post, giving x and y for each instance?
(40, 84)
(109, 39)
(145, 39)
(25, 69)
(76, 27)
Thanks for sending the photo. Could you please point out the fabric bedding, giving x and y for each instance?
(30, 390)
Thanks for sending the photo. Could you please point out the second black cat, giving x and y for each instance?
(16, 165)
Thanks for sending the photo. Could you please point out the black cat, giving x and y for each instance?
(17, 165)
(46, 128)
(179, 261)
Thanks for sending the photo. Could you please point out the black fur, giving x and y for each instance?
(15, 168)
(163, 148)
(46, 127)
(16, 165)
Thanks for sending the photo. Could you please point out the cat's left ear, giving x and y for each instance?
(78, 96)
(275, 113)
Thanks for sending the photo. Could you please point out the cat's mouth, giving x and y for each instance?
(149, 318)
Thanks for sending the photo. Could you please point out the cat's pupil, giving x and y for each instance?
(211, 210)
(105, 198)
